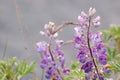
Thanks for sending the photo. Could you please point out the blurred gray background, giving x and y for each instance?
(21, 21)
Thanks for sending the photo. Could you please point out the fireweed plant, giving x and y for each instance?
(91, 50)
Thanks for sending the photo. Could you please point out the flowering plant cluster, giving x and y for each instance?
(91, 54)
(53, 59)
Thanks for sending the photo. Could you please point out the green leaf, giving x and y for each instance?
(11, 69)
(69, 78)
(74, 65)
(114, 53)
(115, 66)
(4, 77)
(115, 31)
(30, 68)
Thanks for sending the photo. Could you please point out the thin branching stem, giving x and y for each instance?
(64, 25)
(49, 48)
(68, 42)
(88, 41)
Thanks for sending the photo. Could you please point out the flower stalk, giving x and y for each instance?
(64, 25)
(88, 41)
(49, 47)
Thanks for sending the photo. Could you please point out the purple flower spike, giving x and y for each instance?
(90, 46)
(103, 51)
(42, 46)
(49, 73)
(43, 64)
(95, 77)
(100, 46)
(106, 70)
(59, 43)
(82, 18)
(57, 77)
(62, 62)
(78, 32)
(77, 40)
(96, 21)
(87, 67)
(88, 76)
(95, 52)
(55, 66)
(66, 71)
(47, 76)
(101, 77)
(50, 56)
(60, 52)
(102, 59)
(82, 57)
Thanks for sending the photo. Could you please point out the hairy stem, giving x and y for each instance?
(68, 42)
(64, 25)
(88, 41)
(49, 48)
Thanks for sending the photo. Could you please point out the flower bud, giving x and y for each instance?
(92, 12)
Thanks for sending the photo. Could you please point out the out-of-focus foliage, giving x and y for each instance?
(113, 55)
(115, 66)
(114, 59)
(111, 38)
(12, 69)
(76, 73)
(112, 33)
